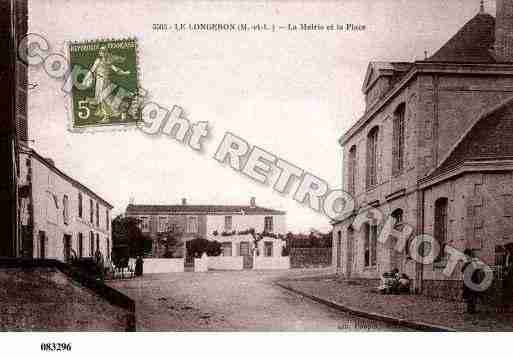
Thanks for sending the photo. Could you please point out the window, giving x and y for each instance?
(80, 208)
(268, 249)
(440, 225)
(80, 245)
(370, 249)
(91, 244)
(268, 224)
(108, 248)
(97, 242)
(398, 140)
(351, 165)
(227, 249)
(145, 224)
(192, 225)
(42, 245)
(397, 215)
(97, 214)
(163, 227)
(228, 223)
(372, 157)
(65, 209)
(91, 211)
(107, 220)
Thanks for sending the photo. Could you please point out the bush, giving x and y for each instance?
(198, 246)
(89, 267)
(168, 254)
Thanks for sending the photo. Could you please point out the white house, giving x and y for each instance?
(227, 224)
(59, 216)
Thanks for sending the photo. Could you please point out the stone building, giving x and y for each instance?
(59, 216)
(434, 150)
(229, 225)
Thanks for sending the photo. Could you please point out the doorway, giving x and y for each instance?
(67, 248)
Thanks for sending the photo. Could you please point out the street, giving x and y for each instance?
(232, 301)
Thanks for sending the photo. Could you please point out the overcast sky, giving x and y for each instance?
(291, 93)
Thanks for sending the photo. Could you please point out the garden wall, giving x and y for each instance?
(310, 257)
(163, 265)
(271, 262)
(225, 263)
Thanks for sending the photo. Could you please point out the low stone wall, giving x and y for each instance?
(163, 265)
(271, 262)
(225, 263)
(310, 257)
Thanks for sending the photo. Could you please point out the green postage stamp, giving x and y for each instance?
(106, 88)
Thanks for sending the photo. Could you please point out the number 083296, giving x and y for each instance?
(55, 347)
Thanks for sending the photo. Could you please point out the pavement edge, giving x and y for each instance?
(421, 326)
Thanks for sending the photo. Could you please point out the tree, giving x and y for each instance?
(128, 240)
(198, 246)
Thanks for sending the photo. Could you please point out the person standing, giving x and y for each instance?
(469, 294)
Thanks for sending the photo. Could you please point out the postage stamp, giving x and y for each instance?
(106, 88)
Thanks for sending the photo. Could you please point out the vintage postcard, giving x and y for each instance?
(257, 166)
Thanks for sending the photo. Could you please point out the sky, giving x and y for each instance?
(292, 93)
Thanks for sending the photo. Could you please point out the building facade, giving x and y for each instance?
(229, 225)
(59, 216)
(433, 150)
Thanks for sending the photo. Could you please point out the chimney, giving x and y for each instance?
(252, 202)
(131, 200)
(184, 201)
(504, 31)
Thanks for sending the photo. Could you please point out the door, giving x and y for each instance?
(67, 248)
(246, 254)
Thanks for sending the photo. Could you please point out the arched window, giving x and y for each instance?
(441, 225)
(370, 245)
(398, 140)
(351, 165)
(372, 157)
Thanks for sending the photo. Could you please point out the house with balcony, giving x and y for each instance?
(433, 150)
(245, 231)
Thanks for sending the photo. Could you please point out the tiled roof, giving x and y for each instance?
(489, 137)
(473, 43)
(200, 209)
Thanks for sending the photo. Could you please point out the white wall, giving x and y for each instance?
(271, 262)
(225, 263)
(47, 183)
(163, 265)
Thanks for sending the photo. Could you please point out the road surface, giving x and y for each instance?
(232, 301)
